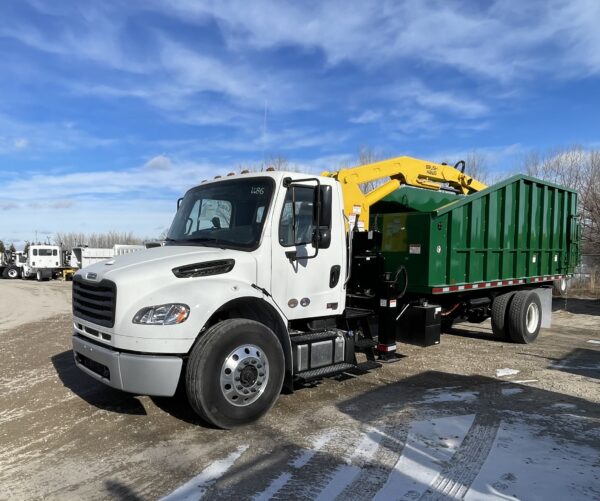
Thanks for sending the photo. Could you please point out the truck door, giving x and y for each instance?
(306, 281)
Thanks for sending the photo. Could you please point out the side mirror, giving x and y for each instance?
(321, 238)
(179, 200)
(324, 201)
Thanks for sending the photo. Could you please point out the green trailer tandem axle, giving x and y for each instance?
(493, 253)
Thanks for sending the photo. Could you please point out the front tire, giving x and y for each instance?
(525, 317)
(235, 373)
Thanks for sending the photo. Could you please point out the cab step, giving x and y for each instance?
(321, 372)
(364, 344)
(313, 337)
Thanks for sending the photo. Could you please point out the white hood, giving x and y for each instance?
(159, 261)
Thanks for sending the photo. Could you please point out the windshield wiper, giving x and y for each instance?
(204, 240)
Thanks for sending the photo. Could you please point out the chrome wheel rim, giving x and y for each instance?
(12, 273)
(244, 375)
(533, 315)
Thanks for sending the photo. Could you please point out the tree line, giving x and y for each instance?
(575, 167)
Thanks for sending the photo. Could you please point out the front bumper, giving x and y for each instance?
(155, 375)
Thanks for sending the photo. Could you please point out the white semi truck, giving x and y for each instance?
(11, 264)
(40, 262)
(265, 280)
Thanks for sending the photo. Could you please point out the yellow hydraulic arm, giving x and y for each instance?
(400, 170)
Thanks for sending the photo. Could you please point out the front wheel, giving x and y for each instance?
(235, 373)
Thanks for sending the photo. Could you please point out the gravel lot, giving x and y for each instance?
(473, 418)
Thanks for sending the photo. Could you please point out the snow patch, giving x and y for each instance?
(506, 372)
(346, 474)
(511, 391)
(561, 405)
(524, 464)
(197, 486)
(429, 446)
(444, 395)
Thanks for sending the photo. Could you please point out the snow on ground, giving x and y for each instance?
(525, 464)
(429, 445)
(506, 372)
(448, 395)
(197, 486)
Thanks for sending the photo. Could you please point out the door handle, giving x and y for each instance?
(334, 275)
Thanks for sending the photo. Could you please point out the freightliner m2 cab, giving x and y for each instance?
(267, 280)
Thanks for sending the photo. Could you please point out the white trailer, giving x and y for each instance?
(82, 257)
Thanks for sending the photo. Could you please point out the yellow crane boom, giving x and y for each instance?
(400, 170)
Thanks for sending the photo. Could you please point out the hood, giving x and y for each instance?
(159, 261)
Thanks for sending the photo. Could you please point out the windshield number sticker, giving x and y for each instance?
(257, 190)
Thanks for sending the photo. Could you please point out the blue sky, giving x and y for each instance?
(110, 110)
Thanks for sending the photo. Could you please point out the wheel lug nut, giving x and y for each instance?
(237, 378)
(239, 387)
(246, 392)
(259, 366)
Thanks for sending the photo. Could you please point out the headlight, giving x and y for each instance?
(163, 314)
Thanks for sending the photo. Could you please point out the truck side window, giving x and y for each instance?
(296, 226)
(35, 252)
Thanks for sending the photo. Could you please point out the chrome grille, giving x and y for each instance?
(95, 301)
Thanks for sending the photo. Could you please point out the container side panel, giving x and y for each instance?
(521, 228)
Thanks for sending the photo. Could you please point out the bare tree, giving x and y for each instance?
(368, 155)
(477, 165)
(577, 168)
(275, 162)
(101, 240)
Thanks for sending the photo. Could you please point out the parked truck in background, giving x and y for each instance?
(83, 256)
(41, 262)
(274, 279)
(11, 264)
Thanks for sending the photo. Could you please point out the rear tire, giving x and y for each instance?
(500, 307)
(12, 273)
(235, 373)
(525, 317)
(560, 287)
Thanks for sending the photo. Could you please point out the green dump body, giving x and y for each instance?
(522, 230)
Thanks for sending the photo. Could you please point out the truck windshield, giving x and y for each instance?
(43, 252)
(225, 214)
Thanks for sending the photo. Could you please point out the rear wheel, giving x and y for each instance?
(12, 273)
(525, 317)
(500, 307)
(560, 286)
(235, 373)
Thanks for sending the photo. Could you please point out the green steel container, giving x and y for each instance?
(522, 230)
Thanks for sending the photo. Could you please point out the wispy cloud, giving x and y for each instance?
(17, 136)
(503, 40)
